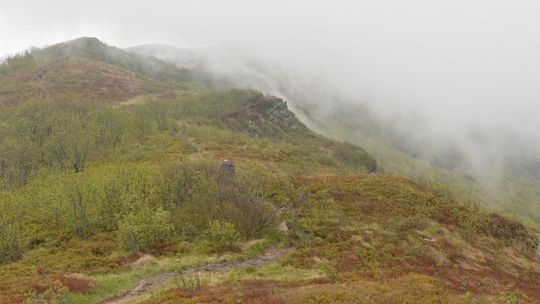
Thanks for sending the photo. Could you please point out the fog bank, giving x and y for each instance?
(445, 70)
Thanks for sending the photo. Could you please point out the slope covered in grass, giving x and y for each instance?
(92, 185)
(87, 69)
(383, 239)
(511, 189)
(501, 174)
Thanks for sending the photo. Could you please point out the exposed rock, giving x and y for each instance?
(538, 251)
(265, 116)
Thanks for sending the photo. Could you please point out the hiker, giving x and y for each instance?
(226, 180)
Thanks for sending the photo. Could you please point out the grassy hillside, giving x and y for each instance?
(513, 190)
(87, 69)
(92, 184)
(507, 181)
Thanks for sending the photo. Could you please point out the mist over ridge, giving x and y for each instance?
(457, 77)
(486, 138)
(199, 151)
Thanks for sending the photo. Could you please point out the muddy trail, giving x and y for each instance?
(145, 285)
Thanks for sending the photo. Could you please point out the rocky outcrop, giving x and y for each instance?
(266, 117)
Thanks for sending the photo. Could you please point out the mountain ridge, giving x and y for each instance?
(508, 185)
(95, 196)
(57, 70)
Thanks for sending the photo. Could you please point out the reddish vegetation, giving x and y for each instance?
(400, 207)
(75, 284)
(482, 282)
(65, 78)
(72, 282)
(40, 287)
(248, 292)
(125, 259)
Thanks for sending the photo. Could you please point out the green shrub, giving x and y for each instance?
(256, 214)
(11, 242)
(55, 294)
(12, 236)
(145, 230)
(220, 236)
(511, 297)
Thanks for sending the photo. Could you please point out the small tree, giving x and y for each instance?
(220, 236)
(11, 237)
(145, 230)
(255, 213)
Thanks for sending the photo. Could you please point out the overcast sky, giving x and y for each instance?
(459, 62)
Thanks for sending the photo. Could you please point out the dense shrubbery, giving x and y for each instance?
(69, 134)
(220, 236)
(86, 168)
(57, 135)
(145, 229)
(147, 205)
(11, 236)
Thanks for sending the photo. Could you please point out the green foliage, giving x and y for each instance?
(79, 178)
(511, 297)
(220, 236)
(56, 294)
(355, 157)
(514, 191)
(145, 230)
(323, 217)
(124, 198)
(329, 271)
(212, 104)
(255, 214)
(56, 135)
(12, 238)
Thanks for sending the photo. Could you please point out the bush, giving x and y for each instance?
(10, 245)
(145, 230)
(220, 236)
(75, 283)
(256, 215)
(11, 238)
(54, 294)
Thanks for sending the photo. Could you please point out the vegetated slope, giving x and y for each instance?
(511, 187)
(85, 68)
(514, 190)
(88, 187)
(384, 239)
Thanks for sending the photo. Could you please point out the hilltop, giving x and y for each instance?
(101, 189)
(86, 68)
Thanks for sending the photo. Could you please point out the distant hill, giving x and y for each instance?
(85, 67)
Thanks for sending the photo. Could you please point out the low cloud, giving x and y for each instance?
(465, 73)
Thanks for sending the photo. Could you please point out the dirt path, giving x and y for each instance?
(145, 285)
